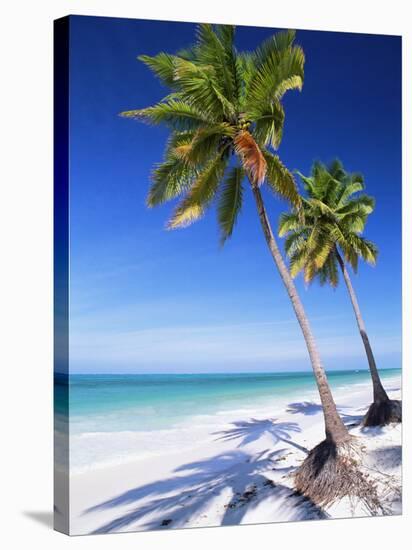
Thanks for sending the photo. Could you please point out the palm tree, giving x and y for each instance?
(225, 116)
(329, 238)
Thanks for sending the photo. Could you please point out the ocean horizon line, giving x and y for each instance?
(222, 373)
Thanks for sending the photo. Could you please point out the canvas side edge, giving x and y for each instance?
(61, 276)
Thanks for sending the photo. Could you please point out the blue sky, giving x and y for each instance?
(143, 299)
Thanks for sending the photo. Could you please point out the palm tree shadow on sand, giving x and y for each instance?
(253, 429)
(310, 408)
(186, 496)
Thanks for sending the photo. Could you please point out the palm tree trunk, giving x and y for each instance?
(334, 427)
(379, 393)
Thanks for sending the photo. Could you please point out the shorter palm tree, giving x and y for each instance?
(329, 238)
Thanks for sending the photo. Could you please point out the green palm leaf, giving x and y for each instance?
(199, 87)
(348, 191)
(329, 272)
(295, 241)
(269, 124)
(222, 103)
(205, 142)
(297, 261)
(215, 49)
(289, 222)
(280, 180)
(177, 114)
(278, 71)
(362, 204)
(200, 194)
(230, 201)
(169, 180)
(335, 216)
(163, 65)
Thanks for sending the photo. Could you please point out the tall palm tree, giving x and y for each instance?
(329, 238)
(225, 116)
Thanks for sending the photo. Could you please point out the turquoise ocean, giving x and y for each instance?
(120, 417)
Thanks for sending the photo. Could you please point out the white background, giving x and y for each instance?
(26, 269)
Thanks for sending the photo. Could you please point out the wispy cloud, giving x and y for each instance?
(254, 344)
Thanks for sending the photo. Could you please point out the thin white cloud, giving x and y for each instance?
(208, 345)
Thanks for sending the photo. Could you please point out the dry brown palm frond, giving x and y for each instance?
(252, 157)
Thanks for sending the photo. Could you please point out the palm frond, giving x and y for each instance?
(309, 271)
(323, 250)
(335, 217)
(200, 195)
(176, 114)
(199, 87)
(351, 184)
(274, 46)
(245, 69)
(230, 201)
(364, 248)
(277, 71)
(169, 180)
(319, 247)
(329, 272)
(289, 221)
(322, 208)
(215, 49)
(308, 184)
(206, 142)
(295, 241)
(313, 238)
(281, 181)
(268, 124)
(251, 156)
(163, 66)
(362, 204)
(348, 191)
(226, 34)
(353, 223)
(297, 261)
(222, 102)
(336, 170)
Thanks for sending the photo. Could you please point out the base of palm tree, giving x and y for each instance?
(383, 412)
(333, 471)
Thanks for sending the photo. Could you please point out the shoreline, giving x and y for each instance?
(231, 474)
(113, 448)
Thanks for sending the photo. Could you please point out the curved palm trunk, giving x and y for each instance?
(334, 427)
(379, 393)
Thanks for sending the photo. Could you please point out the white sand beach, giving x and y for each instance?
(240, 473)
